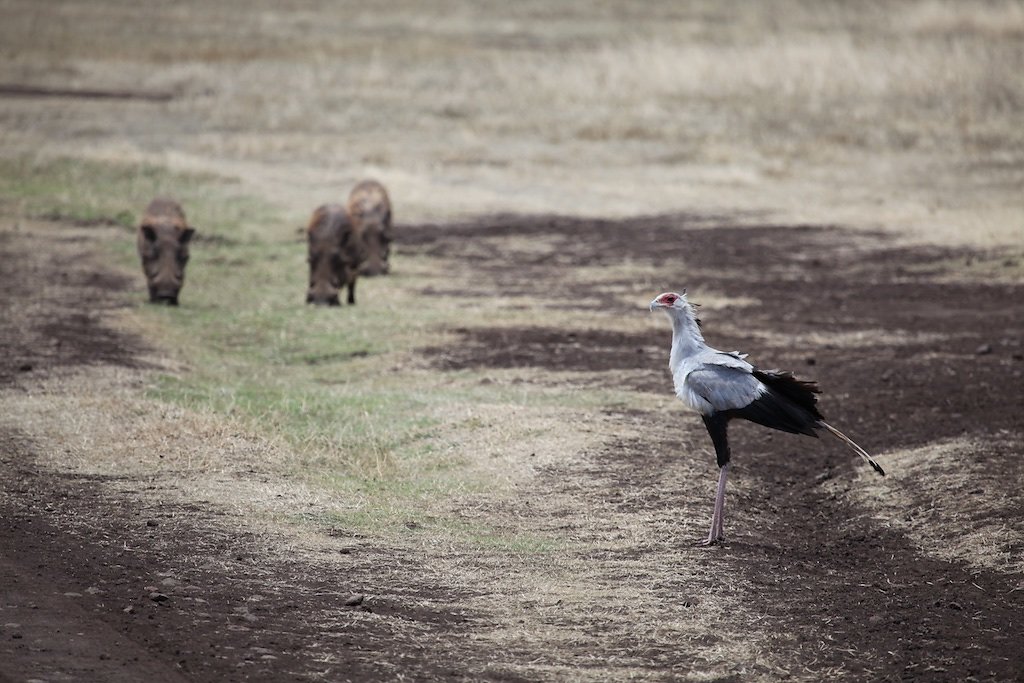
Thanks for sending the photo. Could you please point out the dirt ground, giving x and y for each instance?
(105, 582)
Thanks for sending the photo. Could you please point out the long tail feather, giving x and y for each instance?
(856, 449)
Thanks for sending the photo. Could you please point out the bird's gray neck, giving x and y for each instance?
(686, 338)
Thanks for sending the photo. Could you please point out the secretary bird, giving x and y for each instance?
(722, 386)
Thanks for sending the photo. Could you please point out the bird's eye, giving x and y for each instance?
(670, 300)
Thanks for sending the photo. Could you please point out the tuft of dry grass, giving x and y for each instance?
(957, 499)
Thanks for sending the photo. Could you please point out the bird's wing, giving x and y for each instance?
(729, 359)
(724, 387)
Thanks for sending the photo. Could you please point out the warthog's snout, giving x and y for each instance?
(323, 299)
(164, 288)
(169, 297)
(374, 267)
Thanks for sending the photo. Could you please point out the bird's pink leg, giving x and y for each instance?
(717, 533)
(720, 505)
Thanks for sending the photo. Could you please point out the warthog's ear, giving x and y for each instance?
(149, 233)
(187, 234)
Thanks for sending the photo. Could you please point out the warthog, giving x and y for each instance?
(369, 209)
(335, 254)
(163, 238)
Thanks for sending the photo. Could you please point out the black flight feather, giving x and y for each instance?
(789, 404)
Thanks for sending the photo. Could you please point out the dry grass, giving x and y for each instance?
(901, 117)
(954, 499)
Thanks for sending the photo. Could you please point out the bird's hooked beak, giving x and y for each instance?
(667, 300)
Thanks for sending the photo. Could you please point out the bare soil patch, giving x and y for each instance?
(98, 586)
(22, 90)
(55, 303)
(905, 357)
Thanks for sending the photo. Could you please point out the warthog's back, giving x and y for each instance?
(328, 221)
(165, 211)
(369, 201)
(369, 209)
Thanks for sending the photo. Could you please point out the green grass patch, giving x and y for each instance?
(117, 193)
(337, 386)
(330, 382)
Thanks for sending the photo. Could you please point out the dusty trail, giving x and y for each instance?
(906, 357)
(103, 585)
(838, 593)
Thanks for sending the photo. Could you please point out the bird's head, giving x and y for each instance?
(675, 305)
(671, 301)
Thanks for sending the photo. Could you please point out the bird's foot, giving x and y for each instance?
(710, 541)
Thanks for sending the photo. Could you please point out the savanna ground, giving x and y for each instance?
(479, 472)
